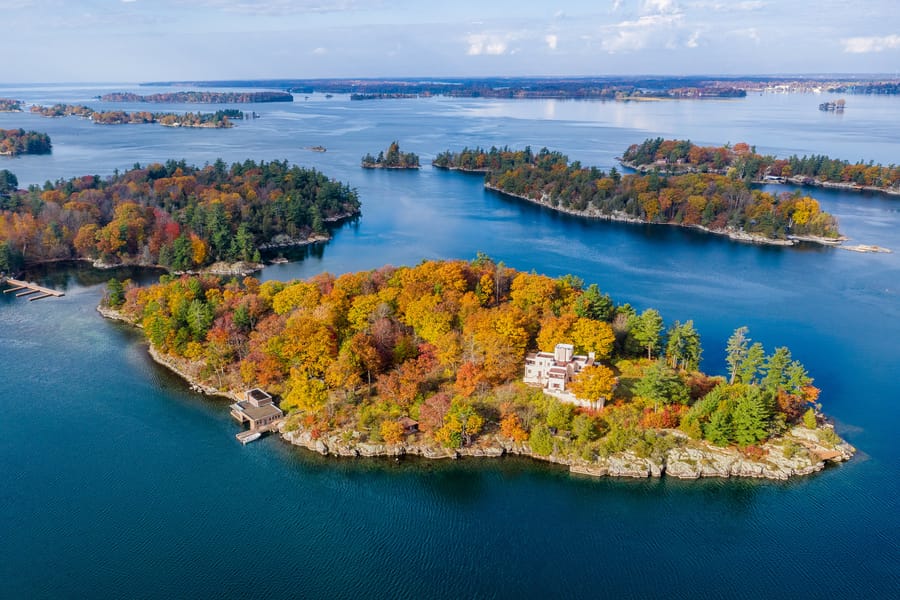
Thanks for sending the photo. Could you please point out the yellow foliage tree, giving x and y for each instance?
(594, 383)
(303, 295)
(391, 432)
(304, 393)
(589, 335)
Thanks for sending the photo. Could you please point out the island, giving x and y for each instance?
(836, 106)
(742, 161)
(10, 105)
(173, 215)
(203, 97)
(221, 119)
(14, 142)
(471, 358)
(712, 203)
(392, 159)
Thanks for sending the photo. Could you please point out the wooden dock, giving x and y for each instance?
(23, 289)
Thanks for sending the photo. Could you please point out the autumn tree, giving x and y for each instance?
(594, 383)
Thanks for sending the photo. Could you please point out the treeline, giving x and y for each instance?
(174, 215)
(221, 119)
(392, 159)
(744, 162)
(717, 202)
(199, 97)
(445, 343)
(10, 105)
(18, 141)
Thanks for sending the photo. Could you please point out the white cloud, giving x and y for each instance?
(552, 40)
(490, 44)
(692, 41)
(865, 45)
(660, 6)
(629, 36)
(320, 51)
(278, 7)
(745, 5)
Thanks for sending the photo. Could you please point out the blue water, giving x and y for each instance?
(117, 481)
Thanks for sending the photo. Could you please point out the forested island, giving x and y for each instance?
(742, 161)
(392, 159)
(172, 215)
(712, 202)
(14, 142)
(429, 360)
(203, 97)
(10, 105)
(221, 119)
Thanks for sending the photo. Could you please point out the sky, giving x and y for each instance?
(171, 40)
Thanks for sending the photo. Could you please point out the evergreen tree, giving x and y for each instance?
(736, 351)
(776, 370)
(719, 430)
(753, 361)
(751, 417)
(593, 304)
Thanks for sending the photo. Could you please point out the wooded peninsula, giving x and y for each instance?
(743, 162)
(14, 142)
(221, 119)
(429, 360)
(392, 159)
(173, 215)
(711, 202)
(203, 97)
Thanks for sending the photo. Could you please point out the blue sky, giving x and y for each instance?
(145, 40)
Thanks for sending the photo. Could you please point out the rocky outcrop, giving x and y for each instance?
(799, 452)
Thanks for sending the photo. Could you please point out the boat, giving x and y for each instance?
(245, 437)
(280, 260)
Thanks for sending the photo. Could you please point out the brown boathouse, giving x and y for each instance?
(258, 409)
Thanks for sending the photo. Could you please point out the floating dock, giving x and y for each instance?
(24, 288)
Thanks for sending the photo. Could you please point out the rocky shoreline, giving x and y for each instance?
(799, 452)
(738, 236)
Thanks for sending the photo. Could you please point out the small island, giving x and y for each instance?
(392, 159)
(712, 203)
(10, 105)
(204, 97)
(836, 106)
(173, 215)
(14, 142)
(741, 161)
(456, 358)
(221, 119)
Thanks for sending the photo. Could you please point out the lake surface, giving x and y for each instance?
(117, 481)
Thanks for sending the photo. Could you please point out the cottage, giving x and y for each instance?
(409, 425)
(258, 409)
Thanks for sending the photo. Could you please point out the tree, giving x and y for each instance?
(305, 393)
(391, 431)
(662, 385)
(593, 304)
(719, 430)
(683, 347)
(589, 336)
(776, 370)
(748, 371)
(595, 384)
(750, 418)
(646, 330)
(115, 293)
(736, 351)
(511, 427)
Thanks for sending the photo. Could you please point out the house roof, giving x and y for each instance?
(255, 413)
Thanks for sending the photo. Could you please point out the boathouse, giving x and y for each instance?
(258, 409)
